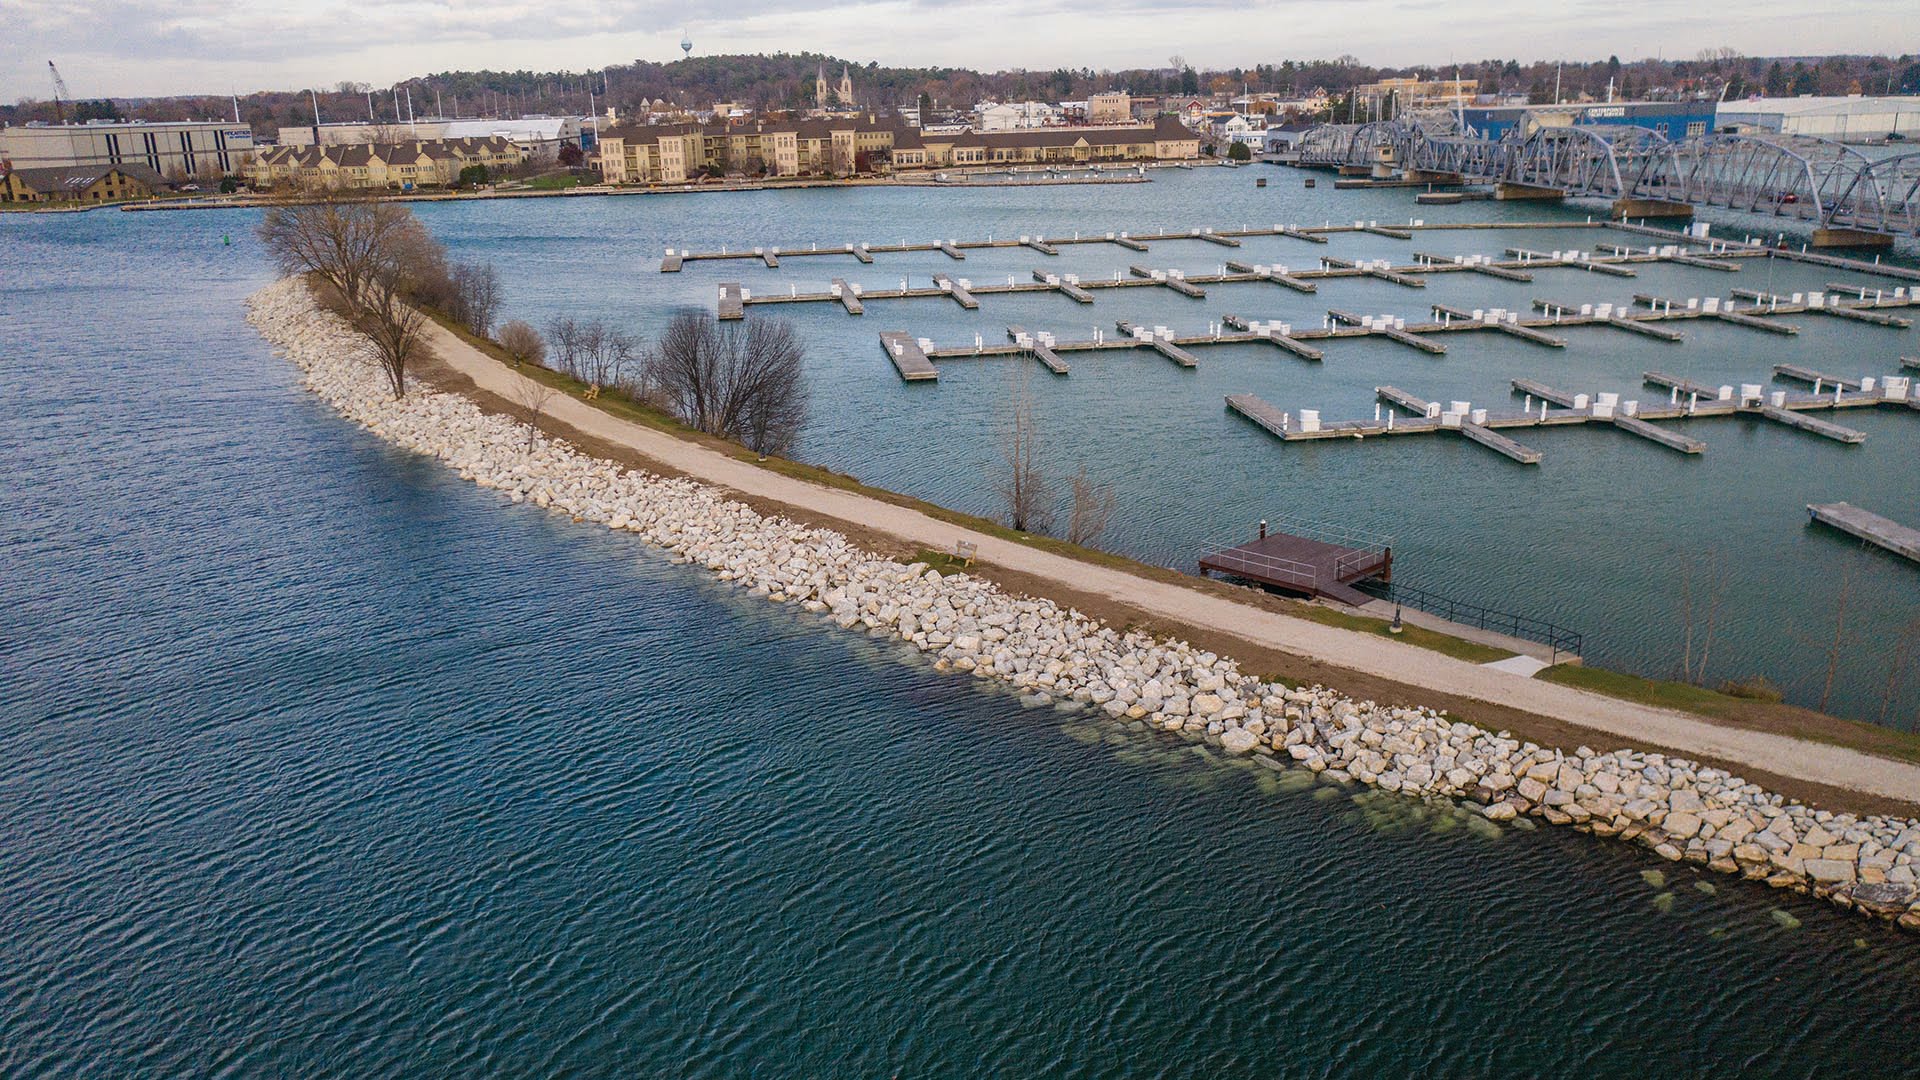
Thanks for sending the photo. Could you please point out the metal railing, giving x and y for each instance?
(1559, 638)
(1224, 557)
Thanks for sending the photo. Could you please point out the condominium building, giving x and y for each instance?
(362, 166)
(677, 153)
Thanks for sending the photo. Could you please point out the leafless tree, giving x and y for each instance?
(533, 397)
(523, 343)
(475, 296)
(1700, 598)
(337, 237)
(1906, 649)
(1836, 647)
(1092, 505)
(1022, 486)
(747, 382)
(593, 352)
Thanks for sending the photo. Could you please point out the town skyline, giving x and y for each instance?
(163, 50)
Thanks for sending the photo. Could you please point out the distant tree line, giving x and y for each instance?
(785, 81)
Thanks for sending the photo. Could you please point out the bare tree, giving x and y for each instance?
(337, 237)
(1699, 611)
(1022, 487)
(387, 313)
(523, 343)
(1837, 646)
(533, 397)
(595, 353)
(1092, 504)
(475, 296)
(746, 382)
(1906, 648)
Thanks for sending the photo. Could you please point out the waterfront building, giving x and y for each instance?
(381, 166)
(175, 149)
(1012, 116)
(1673, 119)
(1112, 107)
(1846, 119)
(538, 137)
(674, 154)
(79, 183)
(1373, 98)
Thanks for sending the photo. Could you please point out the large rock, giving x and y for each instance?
(1829, 871)
(1238, 740)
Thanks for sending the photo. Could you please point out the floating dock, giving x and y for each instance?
(1636, 418)
(1041, 350)
(732, 301)
(956, 290)
(908, 356)
(1881, 532)
(1172, 279)
(848, 297)
(1388, 331)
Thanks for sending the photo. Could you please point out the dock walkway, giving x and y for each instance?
(908, 356)
(1881, 532)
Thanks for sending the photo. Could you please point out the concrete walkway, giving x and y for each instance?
(1632, 723)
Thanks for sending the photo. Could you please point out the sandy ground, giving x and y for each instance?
(1632, 723)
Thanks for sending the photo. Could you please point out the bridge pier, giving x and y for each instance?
(1503, 191)
(1356, 170)
(1860, 238)
(1427, 176)
(1624, 209)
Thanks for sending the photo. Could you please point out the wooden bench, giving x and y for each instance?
(964, 551)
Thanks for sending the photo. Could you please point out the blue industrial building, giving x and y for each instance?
(1673, 119)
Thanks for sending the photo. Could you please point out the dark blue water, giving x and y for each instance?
(316, 761)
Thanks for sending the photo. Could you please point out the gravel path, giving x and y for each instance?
(1633, 723)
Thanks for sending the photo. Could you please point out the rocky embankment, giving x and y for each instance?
(1681, 810)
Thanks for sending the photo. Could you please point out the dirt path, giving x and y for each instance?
(1632, 723)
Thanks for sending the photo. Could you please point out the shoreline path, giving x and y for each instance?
(1634, 723)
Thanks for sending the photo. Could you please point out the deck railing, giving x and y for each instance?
(1559, 638)
(1226, 558)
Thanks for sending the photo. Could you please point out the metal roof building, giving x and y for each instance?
(1846, 119)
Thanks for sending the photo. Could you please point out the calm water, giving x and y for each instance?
(1600, 537)
(318, 762)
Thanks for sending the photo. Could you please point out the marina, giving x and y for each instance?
(1686, 401)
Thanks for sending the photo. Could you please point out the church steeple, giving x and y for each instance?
(820, 87)
(846, 88)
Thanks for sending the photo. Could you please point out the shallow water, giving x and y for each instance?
(319, 762)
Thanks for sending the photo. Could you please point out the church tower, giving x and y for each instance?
(820, 88)
(846, 88)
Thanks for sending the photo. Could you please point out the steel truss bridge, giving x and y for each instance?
(1834, 186)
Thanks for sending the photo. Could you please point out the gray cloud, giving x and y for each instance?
(123, 48)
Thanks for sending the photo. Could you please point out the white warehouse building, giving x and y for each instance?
(184, 148)
(1844, 119)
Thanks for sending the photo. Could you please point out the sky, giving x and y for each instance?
(119, 48)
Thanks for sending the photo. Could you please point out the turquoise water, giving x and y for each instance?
(1600, 537)
(319, 762)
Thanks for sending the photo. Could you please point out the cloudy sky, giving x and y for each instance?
(125, 48)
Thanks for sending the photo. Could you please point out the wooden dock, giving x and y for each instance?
(670, 263)
(951, 251)
(1671, 440)
(1285, 341)
(1215, 238)
(1488, 268)
(1302, 564)
(1819, 379)
(732, 301)
(1039, 245)
(1165, 346)
(1813, 425)
(1069, 288)
(1128, 242)
(1499, 443)
(1277, 275)
(1881, 532)
(1258, 411)
(1389, 332)
(1171, 279)
(848, 299)
(1041, 351)
(860, 252)
(956, 290)
(907, 355)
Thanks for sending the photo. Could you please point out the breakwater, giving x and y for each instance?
(1055, 656)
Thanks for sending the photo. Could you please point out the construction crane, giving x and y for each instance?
(60, 95)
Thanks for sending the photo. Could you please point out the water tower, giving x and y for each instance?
(686, 44)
